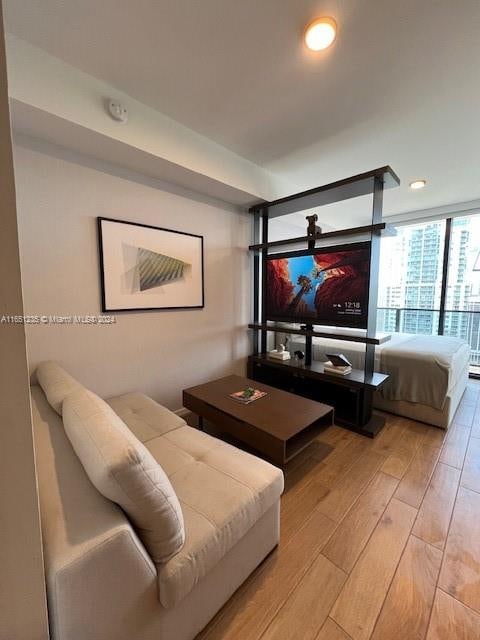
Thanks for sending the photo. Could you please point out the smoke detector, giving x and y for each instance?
(118, 111)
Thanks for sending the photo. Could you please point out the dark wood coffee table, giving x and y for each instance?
(279, 425)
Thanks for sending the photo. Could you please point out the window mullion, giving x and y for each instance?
(443, 293)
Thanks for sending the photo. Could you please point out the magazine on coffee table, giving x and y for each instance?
(248, 395)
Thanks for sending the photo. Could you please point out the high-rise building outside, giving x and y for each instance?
(411, 272)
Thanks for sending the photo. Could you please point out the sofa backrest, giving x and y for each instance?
(56, 383)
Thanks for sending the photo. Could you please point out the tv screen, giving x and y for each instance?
(323, 286)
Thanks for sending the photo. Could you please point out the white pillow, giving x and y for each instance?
(124, 471)
(56, 383)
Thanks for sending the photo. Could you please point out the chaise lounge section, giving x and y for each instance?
(101, 581)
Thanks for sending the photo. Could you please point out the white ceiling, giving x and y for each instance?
(400, 85)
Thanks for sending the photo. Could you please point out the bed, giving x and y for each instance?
(428, 374)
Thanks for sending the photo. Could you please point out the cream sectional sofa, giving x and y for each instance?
(102, 584)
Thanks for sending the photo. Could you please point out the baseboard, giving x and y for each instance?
(182, 412)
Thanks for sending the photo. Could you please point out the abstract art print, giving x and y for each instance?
(145, 268)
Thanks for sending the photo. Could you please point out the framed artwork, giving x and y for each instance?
(143, 268)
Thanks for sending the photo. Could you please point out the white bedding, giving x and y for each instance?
(422, 369)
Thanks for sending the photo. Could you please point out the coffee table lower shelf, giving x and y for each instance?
(299, 442)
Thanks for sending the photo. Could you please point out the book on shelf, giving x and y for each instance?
(338, 360)
(248, 395)
(328, 367)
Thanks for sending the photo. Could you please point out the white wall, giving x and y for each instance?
(23, 612)
(159, 352)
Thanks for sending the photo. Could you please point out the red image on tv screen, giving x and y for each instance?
(326, 286)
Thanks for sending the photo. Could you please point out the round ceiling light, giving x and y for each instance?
(320, 33)
(417, 184)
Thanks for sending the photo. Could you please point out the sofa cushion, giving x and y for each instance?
(223, 492)
(56, 383)
(123, 470)
(144, 417)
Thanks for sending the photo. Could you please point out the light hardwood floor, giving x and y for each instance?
(380, 540)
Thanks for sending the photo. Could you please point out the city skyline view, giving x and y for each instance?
(411, 276)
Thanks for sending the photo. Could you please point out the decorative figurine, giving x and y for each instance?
(280, 353)
(299, 354)
(313, 228)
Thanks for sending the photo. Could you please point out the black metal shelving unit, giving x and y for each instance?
(352, 395)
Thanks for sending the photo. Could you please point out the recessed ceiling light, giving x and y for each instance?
(320, 33)
(418, 184)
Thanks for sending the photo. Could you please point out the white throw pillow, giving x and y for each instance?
(56, 383)
(124, 471)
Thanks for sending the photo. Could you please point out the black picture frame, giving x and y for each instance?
(105, 309)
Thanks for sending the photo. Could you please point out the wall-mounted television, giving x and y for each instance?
(326, 286)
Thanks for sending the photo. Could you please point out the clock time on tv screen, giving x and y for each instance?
(325, 286)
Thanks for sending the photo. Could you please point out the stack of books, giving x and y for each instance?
(328, 367)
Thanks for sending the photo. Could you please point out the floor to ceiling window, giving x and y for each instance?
(423, 290)
(410, 283)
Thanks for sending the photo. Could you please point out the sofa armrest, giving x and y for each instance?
(107, 591)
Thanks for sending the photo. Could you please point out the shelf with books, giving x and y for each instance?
(316, 369)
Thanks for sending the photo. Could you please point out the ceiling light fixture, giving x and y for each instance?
(320, 33)
(418, 184)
